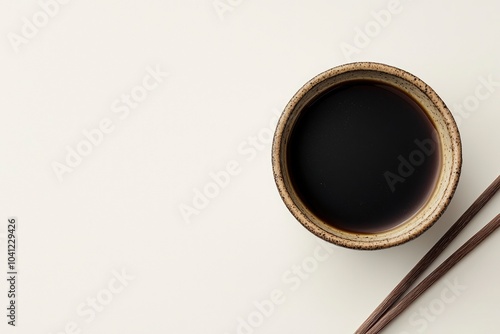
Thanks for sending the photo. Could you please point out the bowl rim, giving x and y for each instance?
(357, 240)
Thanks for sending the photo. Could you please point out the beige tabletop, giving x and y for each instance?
(136, 158)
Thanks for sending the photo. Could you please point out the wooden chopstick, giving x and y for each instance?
(427, 282)
(431, 255)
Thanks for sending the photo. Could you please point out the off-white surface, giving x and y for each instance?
(210, 271)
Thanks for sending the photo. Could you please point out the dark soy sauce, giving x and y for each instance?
(363, 156)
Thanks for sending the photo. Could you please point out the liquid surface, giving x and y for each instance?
(363, 157)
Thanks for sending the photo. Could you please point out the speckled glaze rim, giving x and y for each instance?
(450, 147)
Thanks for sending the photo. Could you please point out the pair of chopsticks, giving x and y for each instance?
(394, 303)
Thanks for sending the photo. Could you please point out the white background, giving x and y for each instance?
(230, 70)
